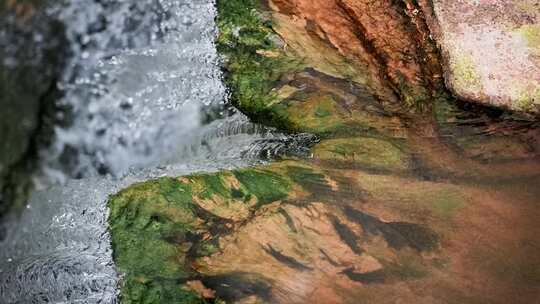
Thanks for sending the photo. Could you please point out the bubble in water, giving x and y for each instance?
(146, 101)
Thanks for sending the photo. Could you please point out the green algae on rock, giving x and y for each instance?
(253, 60)
(392, 206)
(363, 152)
(163, 230)
(158, 227)
(149, 224)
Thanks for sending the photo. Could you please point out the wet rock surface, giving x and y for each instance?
(438, 207)
(388, 40)
(145, 99)
(33, 52)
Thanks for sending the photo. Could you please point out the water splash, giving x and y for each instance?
(144, 70)
(142, 75)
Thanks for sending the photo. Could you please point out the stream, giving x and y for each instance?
(145, 100)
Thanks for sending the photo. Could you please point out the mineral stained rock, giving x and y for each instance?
(393, 206)
(389, 42)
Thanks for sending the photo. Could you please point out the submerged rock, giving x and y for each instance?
(392, 206)
(264, 226)
(304, 232)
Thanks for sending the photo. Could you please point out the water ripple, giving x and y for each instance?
(143, 77)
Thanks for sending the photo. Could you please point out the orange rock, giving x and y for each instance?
(392, 40)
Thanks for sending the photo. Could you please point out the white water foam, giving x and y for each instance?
(142, 73)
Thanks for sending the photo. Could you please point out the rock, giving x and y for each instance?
(391, 60)
(393, 206)
(159, 228)
(298, 227)
(313, 233)
(490, 50)
(389, 42)
(199, 288)
(32, 55)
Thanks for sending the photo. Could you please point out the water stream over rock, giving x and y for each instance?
(437, 205)
(145, 99)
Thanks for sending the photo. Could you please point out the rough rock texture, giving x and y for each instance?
(369, 218)
(491, 50)
(393, 207)
(28, 73)
(388, 40)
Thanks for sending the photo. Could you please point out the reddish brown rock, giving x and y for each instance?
(490, 49)
(392, 207)
(390, 41)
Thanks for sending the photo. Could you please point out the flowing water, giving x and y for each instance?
(145, 99)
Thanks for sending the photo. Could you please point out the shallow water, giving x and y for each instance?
(142, 82)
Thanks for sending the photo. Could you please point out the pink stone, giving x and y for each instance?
(491, 50)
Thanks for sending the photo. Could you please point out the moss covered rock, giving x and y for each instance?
(392, 206)
(152, 224)
(160, 227)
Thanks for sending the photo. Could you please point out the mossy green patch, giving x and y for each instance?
(259, 73)
(318, 114)
(155, 226)
(253, 61)
(323, 115)
(528, 100)
(265, 185)
(414, 96)
(149, 223)
(142, 291)
(531, 34)
(321, 112)
(465, 74)
(445, 111)
(173, 191)
(206, 248)
(234, 195)
(310, 179)
(210, 185)
(414, 199)
(445, 203)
